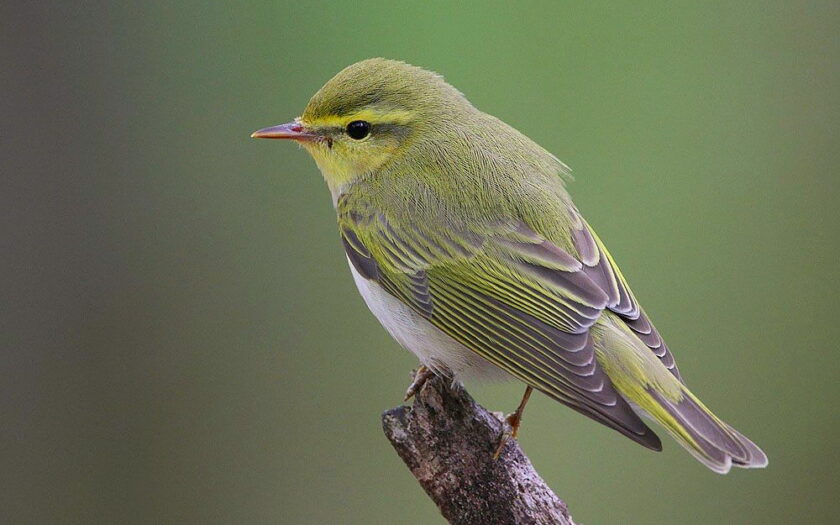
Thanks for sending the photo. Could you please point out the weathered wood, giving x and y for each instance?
(447, 441)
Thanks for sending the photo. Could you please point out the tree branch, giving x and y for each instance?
(447, 441)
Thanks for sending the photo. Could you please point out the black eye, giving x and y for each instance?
(358, 129)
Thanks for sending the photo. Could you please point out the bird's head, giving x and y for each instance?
(368, 115)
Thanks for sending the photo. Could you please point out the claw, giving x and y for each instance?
(502, 442)
(421, 375)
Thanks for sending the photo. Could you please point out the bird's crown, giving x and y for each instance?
(383, 85)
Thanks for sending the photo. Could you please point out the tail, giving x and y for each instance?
(701, 433)
(653, 390)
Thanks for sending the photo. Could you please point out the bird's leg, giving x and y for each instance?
(421, 375)
(514, 420)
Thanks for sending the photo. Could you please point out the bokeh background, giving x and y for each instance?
(180, 338)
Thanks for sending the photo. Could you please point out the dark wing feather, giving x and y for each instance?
(601, 268)
(507, 294)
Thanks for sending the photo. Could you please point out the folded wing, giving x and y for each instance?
(508, 294)
(601, 268)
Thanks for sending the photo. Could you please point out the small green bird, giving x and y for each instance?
(465, 245)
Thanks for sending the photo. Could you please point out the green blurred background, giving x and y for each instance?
(181, 338)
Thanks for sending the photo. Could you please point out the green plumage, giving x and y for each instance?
(468, 223)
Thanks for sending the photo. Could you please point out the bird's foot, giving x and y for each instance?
(513, 421)
(421, 375)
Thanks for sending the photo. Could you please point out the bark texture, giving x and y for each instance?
(447, 441)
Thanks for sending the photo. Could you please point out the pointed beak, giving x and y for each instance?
(291, 130)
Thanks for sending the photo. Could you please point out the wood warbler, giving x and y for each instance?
(465, 245)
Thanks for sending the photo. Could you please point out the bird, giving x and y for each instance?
(465, 244)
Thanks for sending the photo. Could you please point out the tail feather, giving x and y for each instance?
(701, 433)
(651, 388)
(756, 458)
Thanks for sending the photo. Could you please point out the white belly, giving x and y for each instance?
(432, 346)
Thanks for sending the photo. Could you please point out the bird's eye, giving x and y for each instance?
(358, 129)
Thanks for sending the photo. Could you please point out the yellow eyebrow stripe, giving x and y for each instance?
(397, 116)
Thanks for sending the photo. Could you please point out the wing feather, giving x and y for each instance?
(599, 266)
(506, 293)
